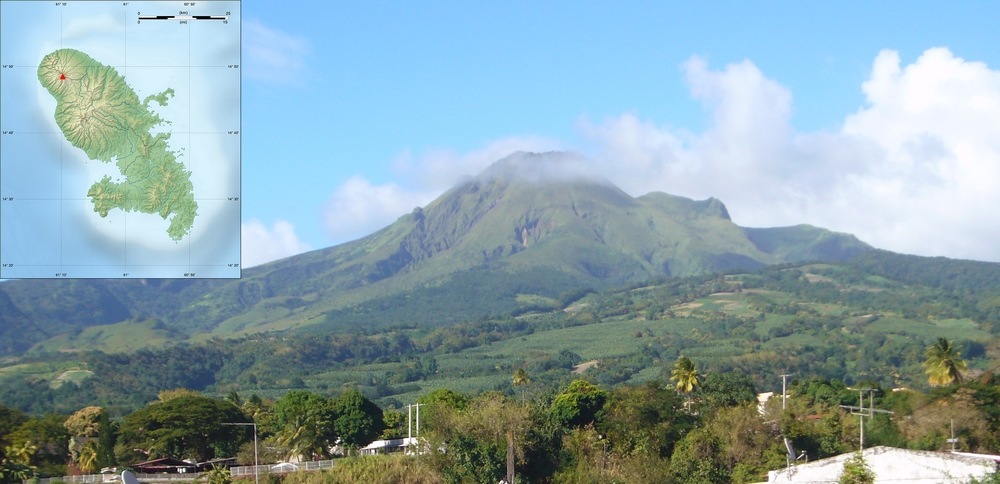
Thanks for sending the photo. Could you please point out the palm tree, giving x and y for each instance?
(302, 439)
(944, 364)
(685, 375)
(23, 454)
(87, 457)
(217, 475)
(520, 379)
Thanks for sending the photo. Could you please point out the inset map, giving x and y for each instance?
(120, 147)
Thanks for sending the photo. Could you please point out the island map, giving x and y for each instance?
(120, 139)
(99, 113)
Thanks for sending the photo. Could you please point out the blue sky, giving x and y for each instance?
(880, 119)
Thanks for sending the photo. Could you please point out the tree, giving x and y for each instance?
(944, 364)
(216, 475)
(50, 441)
(106, 436)
(481, 440)
(86, 457)
(10, 419)
(13, 472)
(395, 424)
(183, 427)
(856, 471)
(684, 375)
(697, 458)
(439, 404)
(729, 389)
(84, 422)
(83, 427)
(358, 420)
(644, 419)
(21, 454)
(578, 404)
(234, 397)
(305, 422)
(446, 398)
(744, 440)
(520, 379)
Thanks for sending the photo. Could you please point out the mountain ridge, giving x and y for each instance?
(530, 226)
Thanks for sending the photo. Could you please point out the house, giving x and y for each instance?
(892, 465)
(388, 446)
(164, 465)
(222, 462)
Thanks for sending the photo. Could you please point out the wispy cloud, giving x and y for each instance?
(273, 56)
(262, 244)
(358, 207)
(913, 170)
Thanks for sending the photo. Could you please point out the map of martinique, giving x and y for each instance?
(120, 139)
(99, 113)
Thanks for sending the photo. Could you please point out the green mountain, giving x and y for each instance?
(530, 232)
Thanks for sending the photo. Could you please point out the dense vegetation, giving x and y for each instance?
(667, 431)
(868, 319)
(655, 382)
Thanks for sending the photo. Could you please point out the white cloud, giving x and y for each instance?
(261, 244)
(273, 56)
(914, 170)
(359, 207)
(442, 169)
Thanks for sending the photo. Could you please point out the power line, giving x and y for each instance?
(863, 412)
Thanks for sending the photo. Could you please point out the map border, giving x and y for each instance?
(133, 260)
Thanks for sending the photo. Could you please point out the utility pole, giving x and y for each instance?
(256, 464)
(784, 380)
(510, 457)
(790, 456)
(863, 412)
(952, 440)
(409, 422)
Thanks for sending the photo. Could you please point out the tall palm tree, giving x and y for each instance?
(944, 364)
(684, 375)
(520, 378)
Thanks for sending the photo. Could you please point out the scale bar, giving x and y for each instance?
(183, 17)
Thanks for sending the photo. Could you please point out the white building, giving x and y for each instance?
(892, 465)
(408, 445)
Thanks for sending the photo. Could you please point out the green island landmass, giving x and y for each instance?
(102, 115)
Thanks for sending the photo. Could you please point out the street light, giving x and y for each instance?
(256, 465)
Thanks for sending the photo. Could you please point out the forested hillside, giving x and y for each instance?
(868, 319)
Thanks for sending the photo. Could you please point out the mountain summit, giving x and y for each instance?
(531, 229)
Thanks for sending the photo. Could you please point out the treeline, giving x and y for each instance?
(184, 424)
(579, 432)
